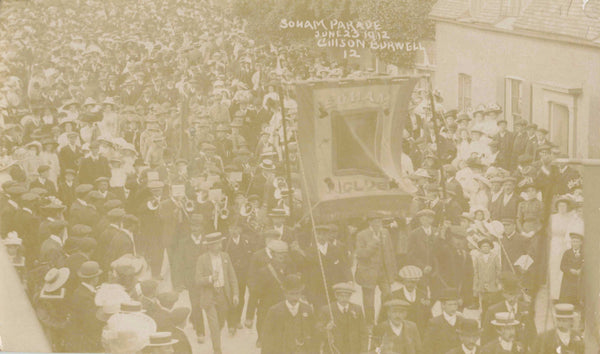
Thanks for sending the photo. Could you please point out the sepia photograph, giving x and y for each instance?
(300, 176)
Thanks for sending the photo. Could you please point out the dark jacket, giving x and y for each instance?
(350, 332)
(440, 336)
(91, 168)
(85, 329)
(284, 333)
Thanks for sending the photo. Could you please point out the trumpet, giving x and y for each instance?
(221, 210)
(153, 204)
(188, 205)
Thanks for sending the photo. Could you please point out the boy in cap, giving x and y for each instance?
(418, 310)
(344, 322)
(289, 324)
(397, 335)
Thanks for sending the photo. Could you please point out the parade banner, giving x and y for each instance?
(350, 141)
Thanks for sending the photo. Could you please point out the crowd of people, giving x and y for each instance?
(145, 152)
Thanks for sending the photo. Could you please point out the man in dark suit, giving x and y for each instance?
(122, 241)
(505, 141)
(179, 318)
(85, 329)
(218, 288)
(468, 332)
(267, 284)
(240, 251)
(51, 250)
(376, 264)
(66, 188)
(508, 203)
(69, 155)
(81, 212)
(289, 324)
(455, 265)
(347, 327)
(421, 247)
(519, 142)
(192, 248)
(258, 260)
(397, 335)
(513, 245)
(115, 218)
(93, 166)
(85, 248)
(27, 225)
(505, 342)
(43, 182)
(334, 265)
(512, 303)
(441, 334)
(562, 339)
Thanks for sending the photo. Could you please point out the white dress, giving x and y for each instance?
(560, 225)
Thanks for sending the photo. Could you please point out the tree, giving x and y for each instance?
(403, 20)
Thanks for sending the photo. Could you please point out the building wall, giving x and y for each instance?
(544, 66)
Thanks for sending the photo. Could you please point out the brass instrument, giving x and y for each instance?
(153, 204)
(188, 205)
(221, 210)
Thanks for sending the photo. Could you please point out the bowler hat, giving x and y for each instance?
(89, 269)
(293, 283)
(468, 326)
(449, 294)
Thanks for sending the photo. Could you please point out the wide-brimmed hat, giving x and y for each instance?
(563, 199)
(131, 306)
(160, 339)
(277, 246)
(493, 108)
(89, 269)
(505, 319)
(213, 237)
(55, 279)
(108, 309)
(425, 212)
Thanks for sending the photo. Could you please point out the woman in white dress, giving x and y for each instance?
(560, 224)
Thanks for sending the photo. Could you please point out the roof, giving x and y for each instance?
(560, 17)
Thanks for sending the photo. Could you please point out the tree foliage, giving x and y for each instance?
(404, 20)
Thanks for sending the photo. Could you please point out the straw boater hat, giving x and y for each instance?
(396, 304)
(161, 339)
(55, 279)
(564, 311)
(212, 238)
(504, 319)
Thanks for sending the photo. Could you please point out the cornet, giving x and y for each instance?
(153, 204)
(188, 205)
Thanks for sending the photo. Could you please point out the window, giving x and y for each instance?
(464, 92)
(559, 126)
(513, 7)
(476, 6)
(513, 94)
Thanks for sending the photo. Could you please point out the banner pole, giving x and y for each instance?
(286, 156)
